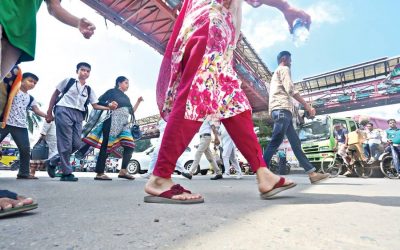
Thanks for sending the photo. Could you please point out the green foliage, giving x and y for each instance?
(33, 121)
(264, 130)
(142, 145)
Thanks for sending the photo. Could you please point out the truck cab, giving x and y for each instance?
(317, 139)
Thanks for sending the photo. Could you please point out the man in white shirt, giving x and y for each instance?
(204, 148)
(229, 153)
(372, 143)
(69, 111)
(48, 134)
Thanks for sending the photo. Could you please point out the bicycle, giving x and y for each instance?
(332, 165)
(362, 168)
(335, 165)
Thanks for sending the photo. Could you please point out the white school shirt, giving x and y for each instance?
(76, 96)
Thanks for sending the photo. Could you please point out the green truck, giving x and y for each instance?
(317, 140)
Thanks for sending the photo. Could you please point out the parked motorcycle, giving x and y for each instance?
(386, 164)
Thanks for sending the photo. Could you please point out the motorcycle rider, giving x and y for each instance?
(392, 135)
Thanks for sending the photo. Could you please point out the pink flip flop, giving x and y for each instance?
(278, 187)
(166, 197)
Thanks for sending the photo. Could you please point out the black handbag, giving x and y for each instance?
(135, 129)
(40, 151)
(136, 132)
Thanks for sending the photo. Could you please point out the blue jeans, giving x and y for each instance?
(366, 150)
(395, 150)
(283, 126)
(374, 150)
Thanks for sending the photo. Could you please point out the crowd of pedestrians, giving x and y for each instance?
(17, 44)
(197, 88)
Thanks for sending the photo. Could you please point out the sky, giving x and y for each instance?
(343, 33)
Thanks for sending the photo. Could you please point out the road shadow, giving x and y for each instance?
(341, 184)
(321, 198)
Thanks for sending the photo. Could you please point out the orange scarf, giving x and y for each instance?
(13, 91)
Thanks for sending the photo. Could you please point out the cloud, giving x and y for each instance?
(265, 34)
(266, 27)
(111, 52)
(325, 12)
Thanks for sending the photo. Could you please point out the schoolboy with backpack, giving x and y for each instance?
(69, 102)
(14, 122)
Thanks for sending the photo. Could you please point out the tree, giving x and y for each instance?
(142, 145)
(33, 120)
(264, 125)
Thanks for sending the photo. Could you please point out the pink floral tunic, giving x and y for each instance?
(216, 89)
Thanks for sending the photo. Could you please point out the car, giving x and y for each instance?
(140, 162)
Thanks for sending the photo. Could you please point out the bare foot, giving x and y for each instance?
(157, 185)
(267, 180)
(25, 200)
(6, 203)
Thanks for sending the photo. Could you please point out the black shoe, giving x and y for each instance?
(217, 177)
(51, 170)
(69, 177)
(187, 175)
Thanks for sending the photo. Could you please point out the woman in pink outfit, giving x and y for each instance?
(197, 82)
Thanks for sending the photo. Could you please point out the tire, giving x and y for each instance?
(387, 167)
(288, 167)
(363, 172)
(332, 166)
(203, 171)
(274, 168)
(14, 165)
(188, 165)
(133, 167)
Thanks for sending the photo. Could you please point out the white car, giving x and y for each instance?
(139, 162)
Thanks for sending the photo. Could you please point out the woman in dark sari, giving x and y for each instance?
(113, 135)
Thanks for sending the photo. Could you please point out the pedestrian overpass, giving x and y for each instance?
(369, 84)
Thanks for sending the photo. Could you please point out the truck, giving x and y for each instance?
(317, 139)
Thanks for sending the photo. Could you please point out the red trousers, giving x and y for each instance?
(179, 131)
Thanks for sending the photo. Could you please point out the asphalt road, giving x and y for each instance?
(341, 213)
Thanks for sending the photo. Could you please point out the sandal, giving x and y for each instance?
(126, 176)
(29, 177)
(166, 197)
(102, 177)
(15, 210)
(278, 187)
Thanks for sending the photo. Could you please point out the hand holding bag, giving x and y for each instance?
(40, 151)
(135, 129)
